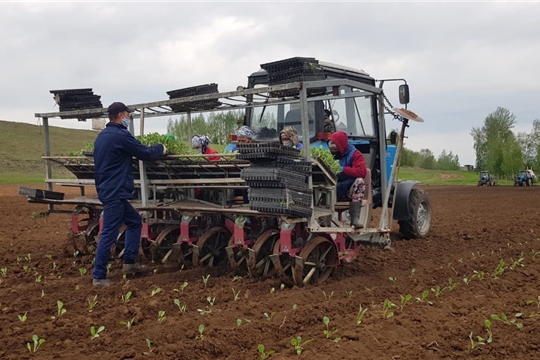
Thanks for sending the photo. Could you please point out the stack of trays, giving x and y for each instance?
(77, 99)
(277, 179)
(194, 91)
(297, 69)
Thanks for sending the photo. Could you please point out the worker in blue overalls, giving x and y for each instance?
(114, 149)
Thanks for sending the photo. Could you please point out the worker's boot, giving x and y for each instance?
(129, 269)
(354, 212)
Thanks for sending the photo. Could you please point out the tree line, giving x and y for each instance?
(502, 152)
(218, 126)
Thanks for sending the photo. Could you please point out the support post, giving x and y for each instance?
(48, 168)
(385, 185)
(304, 116)
(189, 131)
(141, 120)
(142, 174)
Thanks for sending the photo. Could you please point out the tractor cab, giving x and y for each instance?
(330, 109)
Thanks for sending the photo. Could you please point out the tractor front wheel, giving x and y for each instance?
(419, 221)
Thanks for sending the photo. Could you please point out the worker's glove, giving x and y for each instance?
(164, 150)
(341, 169)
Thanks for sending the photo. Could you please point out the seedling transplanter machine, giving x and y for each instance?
(291, 226)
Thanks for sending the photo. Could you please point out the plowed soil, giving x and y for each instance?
(482, 257)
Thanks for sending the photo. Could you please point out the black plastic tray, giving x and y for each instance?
(41, 194)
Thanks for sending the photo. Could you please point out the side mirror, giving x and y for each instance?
(404, 94)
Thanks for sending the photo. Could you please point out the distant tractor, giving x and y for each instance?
(525, 178)
(485, 179)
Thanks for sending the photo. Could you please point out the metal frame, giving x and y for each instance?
(147, 110)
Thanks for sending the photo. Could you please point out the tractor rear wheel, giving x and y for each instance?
(419, 221)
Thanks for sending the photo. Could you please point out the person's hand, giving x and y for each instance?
(164, 150)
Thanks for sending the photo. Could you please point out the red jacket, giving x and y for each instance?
(212, 151)
(354, 165)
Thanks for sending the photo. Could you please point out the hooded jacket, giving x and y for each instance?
(114, 149)
(351, 160)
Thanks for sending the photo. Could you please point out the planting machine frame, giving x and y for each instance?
(178, 226)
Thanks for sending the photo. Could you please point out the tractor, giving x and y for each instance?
(525, 178)
(485, 179)
(292, 225)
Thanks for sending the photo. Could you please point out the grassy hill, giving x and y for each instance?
(22, 145)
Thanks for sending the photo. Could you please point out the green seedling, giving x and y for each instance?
(282, 287)
(299, 345)
(25, 268)
(460, 260)
(205, 280)
(451, 285)
(109, 268)
(413, 271)
(386, 307)
(239, 322)
(327, 332)
(95, 333)
(124, 277)
(535, 254)
(128, 323)
(54, 265)
(479, 341)
(92, 303)
(156, 291)
(181, 307)
(211, 300)
(467, 281)
(404, 300)
(74, 263)
(149, 345)
(22, 317)
(28, 258)
(423, 297)
(503, 318)
(201, 332)
(360, 316)
(518, 262)
(272, 290)
(329, 296)
(499, 270)
(487, 324)
(4, 271)
(127, 296)
(392, 279)
(154, 272)
(269, 316)
(77, 287)
(348, 293)
(204, 312)
(236, 294)
(264, 355)
(437, 290)
(75, 254)
(59, 277)
(42, 293)
(48, 256)
(38, 279)
(537, 302)
(236, 278)
(294, 307)
(82, 271)
(161, 316)
(37, 343)
(480, 275)
(61, 310)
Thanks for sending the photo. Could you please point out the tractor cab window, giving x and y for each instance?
(268, 121)
(353, 115)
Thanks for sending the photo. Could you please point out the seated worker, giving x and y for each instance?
(350, 184)
(243, 135)
(200, 144)
(329, 125)
(289, 137)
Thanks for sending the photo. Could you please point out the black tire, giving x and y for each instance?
(419, 221)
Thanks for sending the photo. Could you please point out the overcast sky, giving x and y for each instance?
(461, 60)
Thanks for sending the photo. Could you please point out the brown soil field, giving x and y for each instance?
(481, 258)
